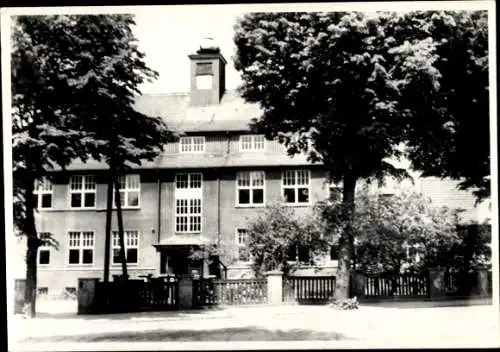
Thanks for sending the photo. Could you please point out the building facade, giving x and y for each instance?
(203, 189)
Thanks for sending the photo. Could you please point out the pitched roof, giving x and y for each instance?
(187, 161)
(233, 113)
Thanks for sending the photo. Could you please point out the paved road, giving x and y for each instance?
(370, 326)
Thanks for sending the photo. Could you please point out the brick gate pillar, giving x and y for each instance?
(274, 287)
(19, 287)
(437, 283)
(358, 285)
(87, 299)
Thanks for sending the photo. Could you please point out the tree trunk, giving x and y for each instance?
(31, 252)
(119, 216)
(343, 280)
(107, 235)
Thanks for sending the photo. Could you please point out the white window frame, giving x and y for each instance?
(240, 245)
(129, 244)
(251, 187)
(296, 187)
(43, 247)
(191, 142)
(190, 195)
(331, 185)
(83, 191)
(253, 143)
(81, 246)
(43, 187)
(127, 189)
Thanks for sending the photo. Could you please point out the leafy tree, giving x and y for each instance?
(276, 236)
(451, 133)
(391, 231)
(388, 227)
(339, 87)
(74, 79)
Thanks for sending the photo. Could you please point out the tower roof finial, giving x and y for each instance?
(208, 45)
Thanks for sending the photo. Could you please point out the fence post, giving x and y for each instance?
(437, 284)
(358, 285)
(482, 283)
(185, 292)
(274, 287)
(87, 299)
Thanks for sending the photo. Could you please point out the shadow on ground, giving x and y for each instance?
(226, 334)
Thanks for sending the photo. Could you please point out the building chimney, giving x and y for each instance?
(208, 74)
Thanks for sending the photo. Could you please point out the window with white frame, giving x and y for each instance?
(204, 75)
(188, 202)
(242, 243)
(82, 190)
(249, 142)
(296, 186)
(250, 187)
(43, 194)
(334, 192)
(80, 247)
(131, 241)
(44, 249)
(130, 190)
(192, 144)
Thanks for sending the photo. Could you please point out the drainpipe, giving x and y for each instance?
(218, 208)
(159, 206)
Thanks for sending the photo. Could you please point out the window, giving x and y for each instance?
(44, 250)
(204, 68)
(43, 194)
(70, 291)
(82, 191)
(130, 189)
(295, 184)
(81, 247)
(188, 202)
(242, 242)
(43, 291)
(252, 142)
(204, 75)
(192, 144)
(334, 192)
(250, 187)
(131, 240)
(334, 252)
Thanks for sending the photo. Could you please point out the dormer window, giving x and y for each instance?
(192, 144)
(252, 143)
(204, 75)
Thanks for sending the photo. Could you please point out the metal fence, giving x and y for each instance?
(209, 292)
(404, 285)
(308, 289)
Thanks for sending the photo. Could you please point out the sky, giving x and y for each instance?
(168, 35)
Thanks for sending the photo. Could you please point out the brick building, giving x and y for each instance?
(202, 189)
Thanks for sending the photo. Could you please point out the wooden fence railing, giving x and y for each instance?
(405, 285)
(208, 292)
(308, 289)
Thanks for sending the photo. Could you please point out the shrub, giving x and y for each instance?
(346, 304)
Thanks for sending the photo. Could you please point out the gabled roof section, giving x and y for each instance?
(231, 114)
